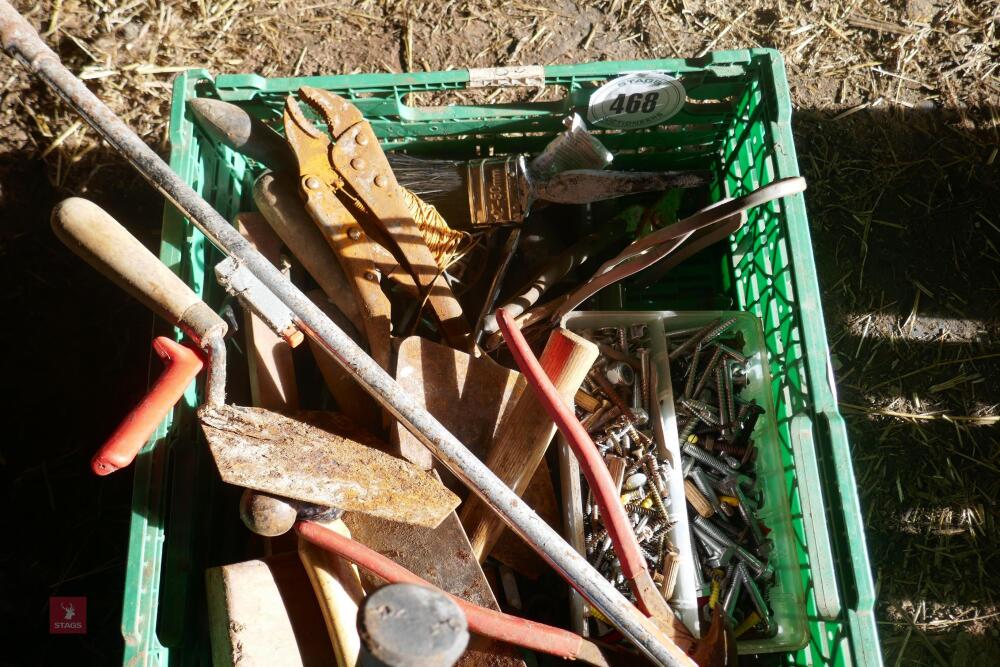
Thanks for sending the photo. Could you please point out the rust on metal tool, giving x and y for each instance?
(354, 171)
(469, 395)
(442, 556)
(580, 186)
(306, 459)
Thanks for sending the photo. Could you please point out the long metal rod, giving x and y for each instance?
(23, 42)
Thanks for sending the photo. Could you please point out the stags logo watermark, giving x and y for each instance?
(67, 616)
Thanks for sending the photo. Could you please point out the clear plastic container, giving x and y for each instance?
(685, 597)
(786, 595)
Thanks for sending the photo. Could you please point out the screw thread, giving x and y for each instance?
(719, 330)
(658, 502)
(704, 457)
(730, 449)
(713, 363)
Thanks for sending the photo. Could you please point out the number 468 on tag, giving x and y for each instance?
(636, 100)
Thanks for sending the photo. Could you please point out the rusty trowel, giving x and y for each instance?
(321, 458)
(316, 458)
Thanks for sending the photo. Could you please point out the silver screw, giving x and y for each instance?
(731, 353)
(720, 395)
(733, 588)
(733, 485)
(694, 340)
(705, 458)
(759, 603)
(645, 372)
(702, 410)
(701, 483)
(713, 363)
(706, 529)
(719, 330)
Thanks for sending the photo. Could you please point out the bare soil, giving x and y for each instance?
(896, 129)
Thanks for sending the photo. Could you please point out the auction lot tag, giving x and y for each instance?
(636, 100)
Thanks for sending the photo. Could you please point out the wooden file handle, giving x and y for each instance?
(102, 242)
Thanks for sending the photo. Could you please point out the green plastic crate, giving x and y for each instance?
(737, 123)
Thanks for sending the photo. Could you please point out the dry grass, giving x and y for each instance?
(897, 131)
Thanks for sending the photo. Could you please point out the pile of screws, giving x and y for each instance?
(731, 548)
(614, 406)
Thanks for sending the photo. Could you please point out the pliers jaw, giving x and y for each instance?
(318, 156)
(338, 114)
(311, 147)
(345, 168)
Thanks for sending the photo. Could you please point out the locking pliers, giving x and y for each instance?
(348, 180)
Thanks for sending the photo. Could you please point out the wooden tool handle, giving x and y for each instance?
(482, 620)
(269, 357)
(338, 590)
(351, 399)
(277, 197)
(102, 242)
(523, 437)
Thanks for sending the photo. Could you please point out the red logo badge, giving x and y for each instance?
(67, 616)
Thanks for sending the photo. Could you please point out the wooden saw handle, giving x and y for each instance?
(101, 241)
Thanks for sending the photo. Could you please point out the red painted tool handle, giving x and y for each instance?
(591, 462)
(482, 621)
(183, 365)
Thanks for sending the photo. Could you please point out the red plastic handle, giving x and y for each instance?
(591, 462)
(183, 365)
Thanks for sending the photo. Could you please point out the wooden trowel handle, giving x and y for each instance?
(102, 242)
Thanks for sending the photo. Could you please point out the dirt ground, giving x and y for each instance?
(896, 124)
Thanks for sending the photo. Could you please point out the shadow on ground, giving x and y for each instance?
(906, 230)
(76, 354)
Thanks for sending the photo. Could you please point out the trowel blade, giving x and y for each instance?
(321, 458)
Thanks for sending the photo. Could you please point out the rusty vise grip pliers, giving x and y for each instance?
(351, 175)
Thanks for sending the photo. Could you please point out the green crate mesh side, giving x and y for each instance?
(775, 277)
(173, 476)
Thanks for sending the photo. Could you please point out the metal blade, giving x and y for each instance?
(306, 458)
(582, 186)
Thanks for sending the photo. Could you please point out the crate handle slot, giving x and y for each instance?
(520, 76)
(824, 574)
(836, 432)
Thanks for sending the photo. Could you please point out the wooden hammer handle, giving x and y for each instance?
(338, 590)
(102, 242)
(523, 437)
